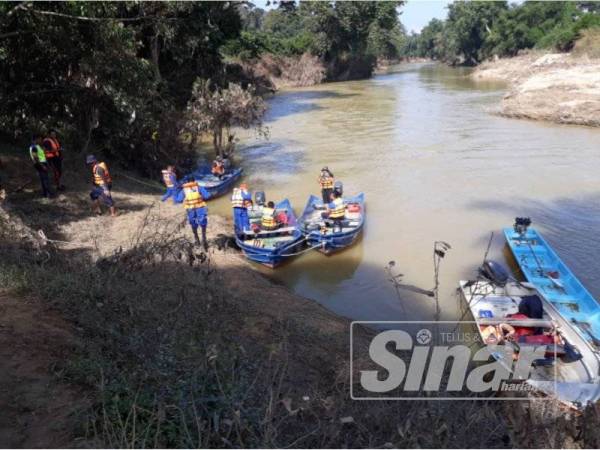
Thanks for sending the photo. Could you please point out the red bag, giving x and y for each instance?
(353, 207)
(282, 218)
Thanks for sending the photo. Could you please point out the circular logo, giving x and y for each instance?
(424, 336)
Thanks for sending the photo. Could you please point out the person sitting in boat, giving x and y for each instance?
(496, 334)
(336, 211)
(218, 168)
(241, 199)
(326, 182)
(532, 307)
(268, 222)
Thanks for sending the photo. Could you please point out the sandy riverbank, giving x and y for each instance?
(560, 88)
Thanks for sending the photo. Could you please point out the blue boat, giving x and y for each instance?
(321, 235)
(214, 185)
(273, 247)
(542, 267)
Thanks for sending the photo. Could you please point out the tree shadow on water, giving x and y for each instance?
(298, 102)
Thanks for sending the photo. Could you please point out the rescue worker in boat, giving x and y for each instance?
(326, 181)
(218, 168)
(54, 156)
(38, 156)
(195, 197)
(496, 334)
(268, 221)
(169, 177)
(102, 182)
(336, 211)
(241, 199)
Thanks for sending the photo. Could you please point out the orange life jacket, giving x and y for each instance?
(193, 197)
(218, 168)
(54, 146)
(166, 175)
(99, 180)
(326, 182)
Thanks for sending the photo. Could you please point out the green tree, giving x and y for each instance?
(213, 109)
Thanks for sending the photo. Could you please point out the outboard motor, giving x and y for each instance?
(259, 198)
(494, 272)
(338, 188)
(521, 225)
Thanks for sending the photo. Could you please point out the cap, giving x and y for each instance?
(90, 159)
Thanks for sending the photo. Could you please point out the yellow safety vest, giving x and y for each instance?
(166, 174)
(339, 210)
(326, 182)
(98, 179)
(193, 197)
(237, 201)
(268, 218)
(35, 149)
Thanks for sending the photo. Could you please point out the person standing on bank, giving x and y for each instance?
(102, 182)
(195, 206)
(54, 156)
(326, 182)
(40, 163)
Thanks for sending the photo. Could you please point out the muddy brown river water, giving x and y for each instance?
(435, 163)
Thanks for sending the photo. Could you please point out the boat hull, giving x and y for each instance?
(542, 267)
(331, 242)
(222, 188)
(273, 256)
(573, 382)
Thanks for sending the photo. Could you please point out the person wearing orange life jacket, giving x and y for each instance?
(102, 182)
(195, 197)
(218, 168)
(240, 200)
(38, 157)
(268, 221)
(54, 156)
(169, 177)
(336, 210)
(326, 181)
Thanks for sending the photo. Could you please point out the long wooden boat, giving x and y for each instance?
(321, 235)
(271, 248)
(569, 371)
(542, 267)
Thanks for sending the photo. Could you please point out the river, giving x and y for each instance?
(435, 163)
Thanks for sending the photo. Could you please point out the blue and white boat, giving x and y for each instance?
(321, 234)
(544, 270)
(273, 247)
(214, 185)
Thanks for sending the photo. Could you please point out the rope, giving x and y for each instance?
(44, 238)
(302, 251)
(154, 186)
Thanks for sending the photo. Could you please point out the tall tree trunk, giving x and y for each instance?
(155, 50)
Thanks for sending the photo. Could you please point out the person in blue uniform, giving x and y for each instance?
(195, 197)
(240, 200)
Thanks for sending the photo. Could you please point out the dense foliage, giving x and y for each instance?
(475, 31)
(110, 76)
(347, 36)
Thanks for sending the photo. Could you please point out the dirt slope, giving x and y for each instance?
(560, 88)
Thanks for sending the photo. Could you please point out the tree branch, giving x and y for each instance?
(86, 18)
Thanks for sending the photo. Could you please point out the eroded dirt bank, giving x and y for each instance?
(560, 88)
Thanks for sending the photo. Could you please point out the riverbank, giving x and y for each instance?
(559, 87)
(148, 341)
